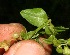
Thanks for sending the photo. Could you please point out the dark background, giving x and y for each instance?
(57, 10)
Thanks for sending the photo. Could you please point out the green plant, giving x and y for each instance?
(39, 18)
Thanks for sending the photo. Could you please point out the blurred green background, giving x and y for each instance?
(57, 10)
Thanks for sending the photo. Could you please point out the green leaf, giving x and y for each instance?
(50, 39)
(35, 16)
(59, 49)
(49, 28)
(56, 42)
(27, 35)
(62, 41)
(66, 50)
(68, 41)
(60, 29)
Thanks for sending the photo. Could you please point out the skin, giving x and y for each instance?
(26, 47)
(48, 48)
(2, 50)
(7, 30)
(7, 35)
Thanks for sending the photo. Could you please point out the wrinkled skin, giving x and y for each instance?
(29, 47)
(26, 47)
(7, 32)
(48, 48)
